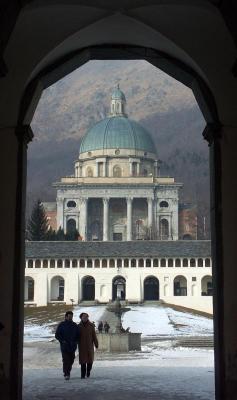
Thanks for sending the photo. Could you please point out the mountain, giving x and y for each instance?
(161, 104)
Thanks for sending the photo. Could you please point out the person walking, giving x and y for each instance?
(87, 341)
(100, 327)
(106, 327)
(67, 333)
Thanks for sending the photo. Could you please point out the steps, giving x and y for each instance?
(195, 342)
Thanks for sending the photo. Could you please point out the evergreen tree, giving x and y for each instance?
(38, 224)
(60, 235)
(72, 235)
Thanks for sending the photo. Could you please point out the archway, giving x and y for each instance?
(214, 134)
(88, 288)
(29, 288)
(207, 288)
(71, 225)
(151, 288)
(57, 288)
(119, 288)
(180, 286)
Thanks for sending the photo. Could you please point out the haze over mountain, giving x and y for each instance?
(161, 104)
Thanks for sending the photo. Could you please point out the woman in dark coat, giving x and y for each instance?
(87, 341)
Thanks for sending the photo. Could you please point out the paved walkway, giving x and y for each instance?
(125, 382)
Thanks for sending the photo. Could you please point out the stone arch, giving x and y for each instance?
(180, 286)
(164, 204)
(117, 171)
(206, 284)
(29, 288)
(57, 288)
(164, 229)
(151, 288)
(88, 288)
(119, 288)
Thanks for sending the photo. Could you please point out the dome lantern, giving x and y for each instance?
(118, 102)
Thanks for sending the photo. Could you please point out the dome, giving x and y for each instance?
(117, 132)
(118, 94)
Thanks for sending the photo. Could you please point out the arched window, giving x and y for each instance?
(89, 263)
(37, 264)
(111, 263)
(82, 263)
(151, 288)
(119, 288)
(148, 263)
(97, 263)
(104, 263)
(207, 262)
(170, 262)
(60, 263)
(207, 286)
(67, 263)
(185, 262)
(71, 204)
(126, 263)
(180, 286)
(29, 288)
(177, 262)
(74, 263)
(155, 263)
(30, 264)
(141, 262)
(164, 229)
(200, 262)
(164, 204)
(117, 172)
(163, 262)
(119, 263)
(88, 288)
(192, 262)
(45, 263)
(57, 288)
(133, 263)
(52, 263)
(89, 172)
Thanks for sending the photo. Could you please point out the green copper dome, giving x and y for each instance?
(118, 94)
(117, 132)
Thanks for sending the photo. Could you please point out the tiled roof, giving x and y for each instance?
(142, 248)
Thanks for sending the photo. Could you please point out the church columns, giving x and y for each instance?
(150, 212)
(106, 220)
(83, 218)
(129, 218)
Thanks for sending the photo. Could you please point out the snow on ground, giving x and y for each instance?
(34, 332)
(162, 321)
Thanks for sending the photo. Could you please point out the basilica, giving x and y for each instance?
(117, 192)
(127, 216)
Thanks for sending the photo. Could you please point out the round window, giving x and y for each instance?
(117, 152)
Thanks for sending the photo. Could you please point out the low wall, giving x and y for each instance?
(119, 342)
(200, 303)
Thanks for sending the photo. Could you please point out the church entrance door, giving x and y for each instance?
(151, 288)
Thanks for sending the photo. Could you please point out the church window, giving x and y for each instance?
(74, 263)
(170, 262)
(89, 172)
(82, 263)
(164, 204)
(104, 263)
(192, 262)
(30, 264)
(141, 262)
(133, 263)
(119, 263)
(45, 263)
(200, 262)
(89, 263)
(126, 263)
(111, 263)
(117, 173)
(207, 262)
(67, 263)
(37, 264)
(117, 152)
(97, 263)
(155, 263)
(185, 262)
(177, 262)
(71, 204)
(60, 263)
(148, 263)
(52, 263)
(163, 262)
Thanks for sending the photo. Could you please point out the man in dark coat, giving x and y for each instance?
(67, 334)
(87, 341)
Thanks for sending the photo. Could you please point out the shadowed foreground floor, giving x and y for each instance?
(124, 382)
